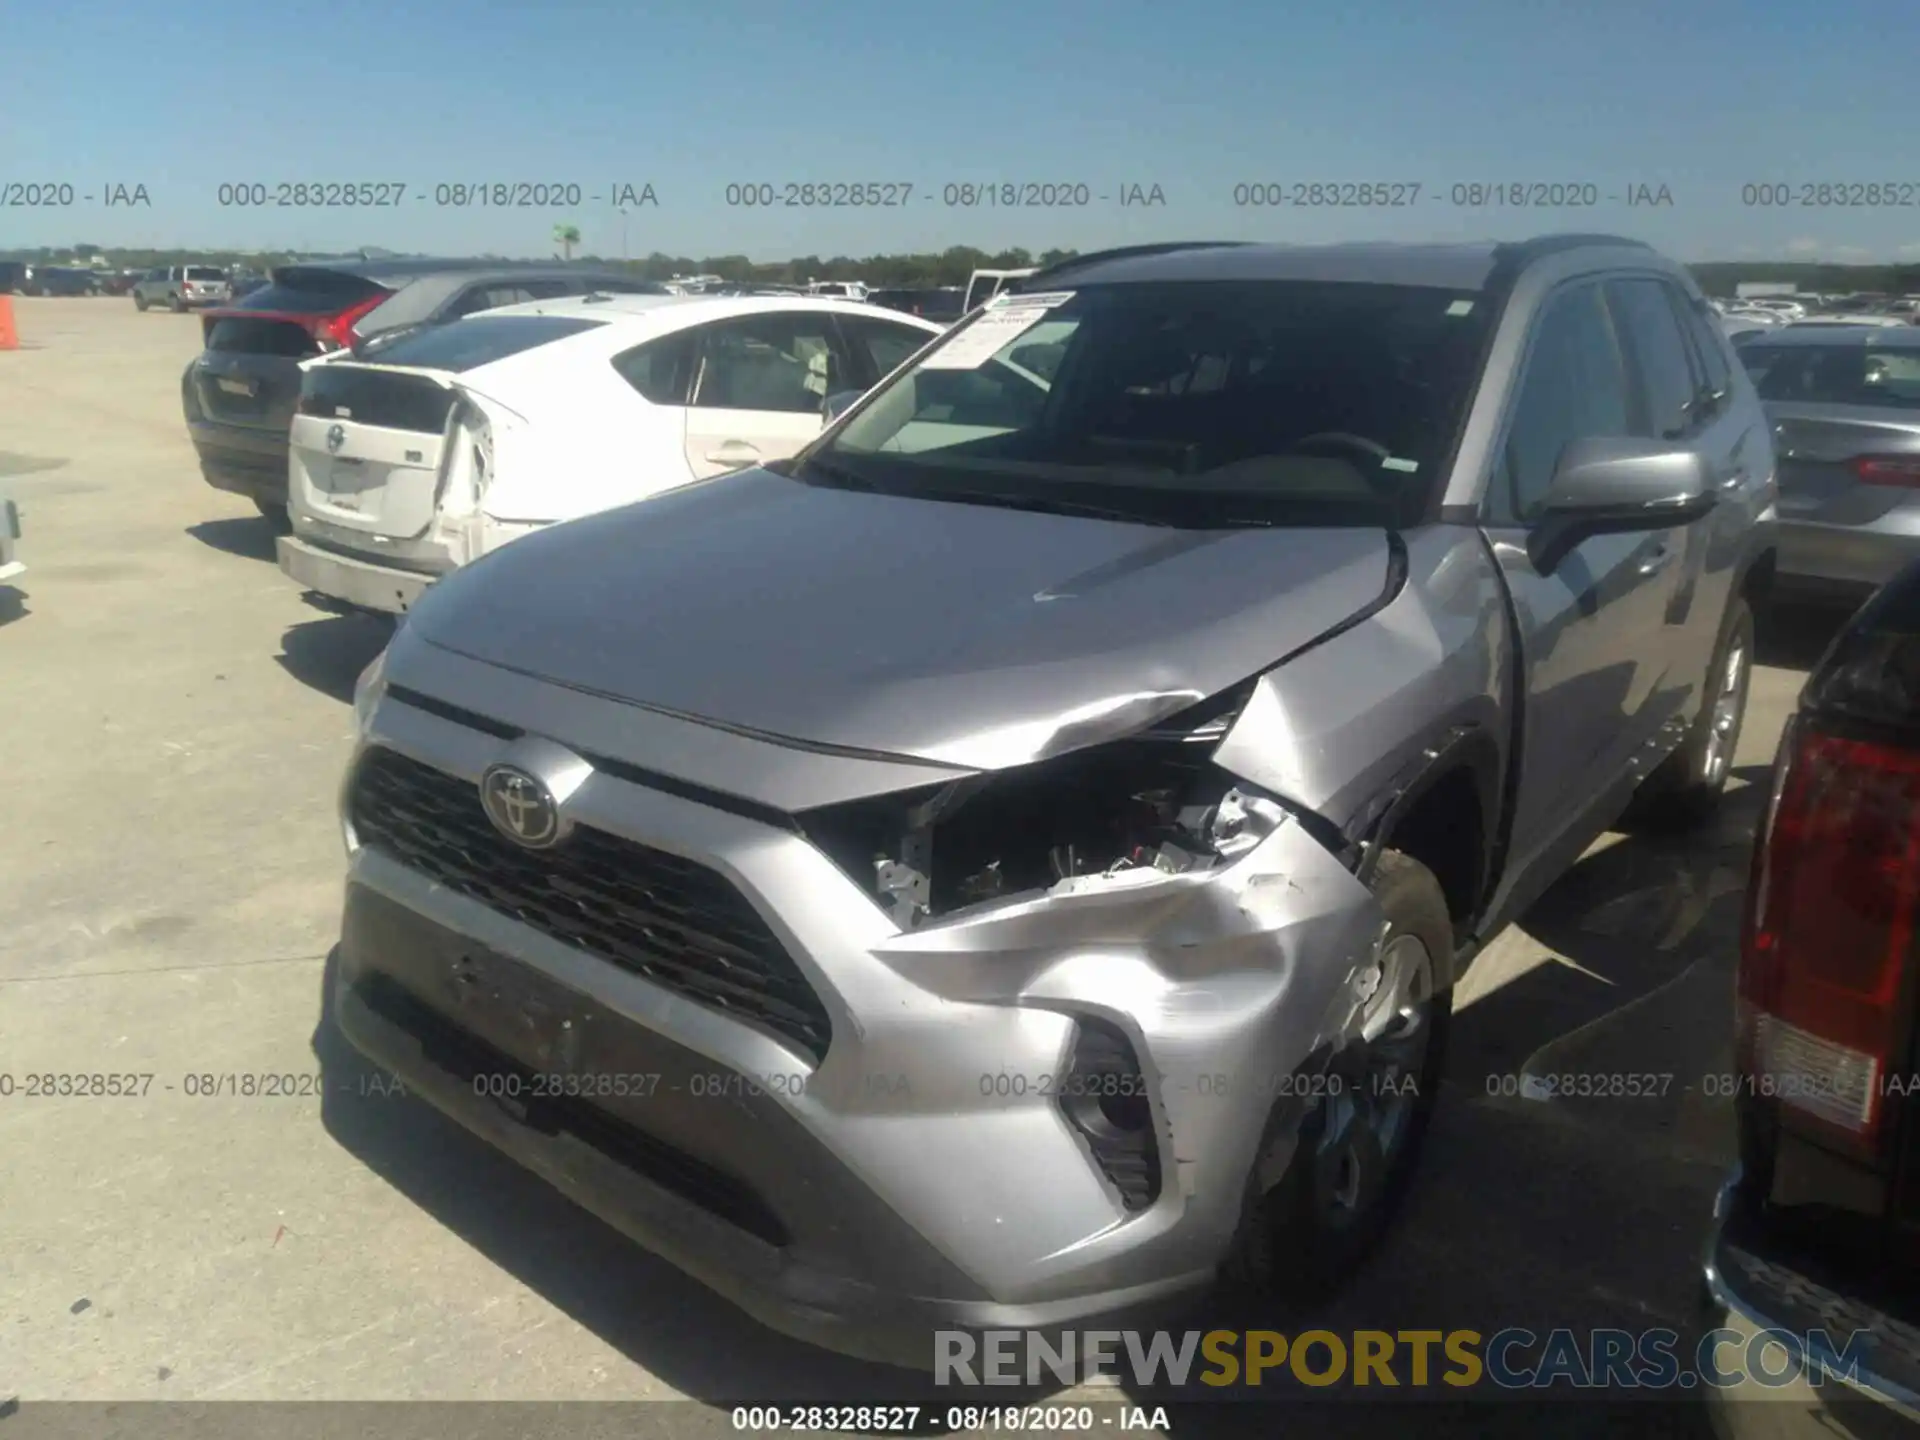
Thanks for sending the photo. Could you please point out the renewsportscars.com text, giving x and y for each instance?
(1444, 1360)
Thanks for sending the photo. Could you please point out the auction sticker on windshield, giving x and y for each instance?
(1006, 320)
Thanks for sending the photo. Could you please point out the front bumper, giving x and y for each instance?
(1755, 1287)
(923, 1175)
(363, 583)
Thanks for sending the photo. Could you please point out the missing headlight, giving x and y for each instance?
(1154, 799)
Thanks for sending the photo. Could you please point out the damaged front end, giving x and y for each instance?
(1153, 800)
(1210, 944)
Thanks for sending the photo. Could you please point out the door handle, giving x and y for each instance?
(1657, 561)
(733, 450)
(1734, 478)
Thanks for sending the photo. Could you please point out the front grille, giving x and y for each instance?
(681, 925)
(467, 1057)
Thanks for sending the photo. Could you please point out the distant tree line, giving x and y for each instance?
(952, 267)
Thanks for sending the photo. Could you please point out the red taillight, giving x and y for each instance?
(1887, 469)
(335, 332)
(1829, 928)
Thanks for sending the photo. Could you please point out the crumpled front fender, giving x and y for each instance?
(1230, 983)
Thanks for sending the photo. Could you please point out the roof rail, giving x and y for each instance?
(1521, 252)
(1123, 252)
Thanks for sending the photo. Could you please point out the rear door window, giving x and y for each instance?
(882, 344)
(205, 272)
(782, 363)
(480, 340)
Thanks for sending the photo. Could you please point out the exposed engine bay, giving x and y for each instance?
(1152, 800)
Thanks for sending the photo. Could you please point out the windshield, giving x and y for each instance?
(1201, 405)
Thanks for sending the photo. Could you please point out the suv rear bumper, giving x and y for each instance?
(1757, 1285)
(242, 459)
(364, 583)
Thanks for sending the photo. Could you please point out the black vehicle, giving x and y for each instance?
(933, 302)
(239, 395)
(62, 280)
(1819, 1229)
(13, 277)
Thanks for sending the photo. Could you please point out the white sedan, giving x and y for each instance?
(415, 454)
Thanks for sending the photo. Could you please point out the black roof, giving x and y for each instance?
(412, 267)
(1450, 266)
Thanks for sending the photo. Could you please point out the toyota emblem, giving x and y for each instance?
(521, 807)
(336, 437)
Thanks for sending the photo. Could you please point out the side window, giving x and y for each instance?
(881, 343)
(1575, 388)
(159, 272)
(774, 362)
(491, 297)
(1646, 321)
(547, 289)
(661, 370)
(1709, 341)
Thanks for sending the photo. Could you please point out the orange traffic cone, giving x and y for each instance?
(9, 337)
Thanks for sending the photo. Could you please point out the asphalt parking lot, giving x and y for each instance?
(176, 719)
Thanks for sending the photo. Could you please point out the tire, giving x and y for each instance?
(1303, 1236)
(176, 304)
(1685, 791)
(139, 301)
(275, 514)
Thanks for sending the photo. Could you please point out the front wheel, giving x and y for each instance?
(1687, 787)
(1306, 1229)
(275, 514)
(139, 301)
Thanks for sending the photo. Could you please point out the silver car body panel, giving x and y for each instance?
(785, 646)
(1073, 631)
(1239, 970)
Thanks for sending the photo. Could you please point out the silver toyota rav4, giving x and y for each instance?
(1007, 866)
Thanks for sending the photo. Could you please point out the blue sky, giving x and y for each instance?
(1701, 96)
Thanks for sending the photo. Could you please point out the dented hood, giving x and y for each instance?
(967, 635)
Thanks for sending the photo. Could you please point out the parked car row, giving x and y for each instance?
(241, 393)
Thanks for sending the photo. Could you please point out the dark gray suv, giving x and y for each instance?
(239, 394)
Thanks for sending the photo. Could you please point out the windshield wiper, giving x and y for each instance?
(837, 475)
(1047, 505)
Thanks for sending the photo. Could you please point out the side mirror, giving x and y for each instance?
(838, 404)
(1618, 485)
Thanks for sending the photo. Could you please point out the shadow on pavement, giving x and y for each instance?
(328, 655)
(13, 605)
(1586, 1212)
(250, 537)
